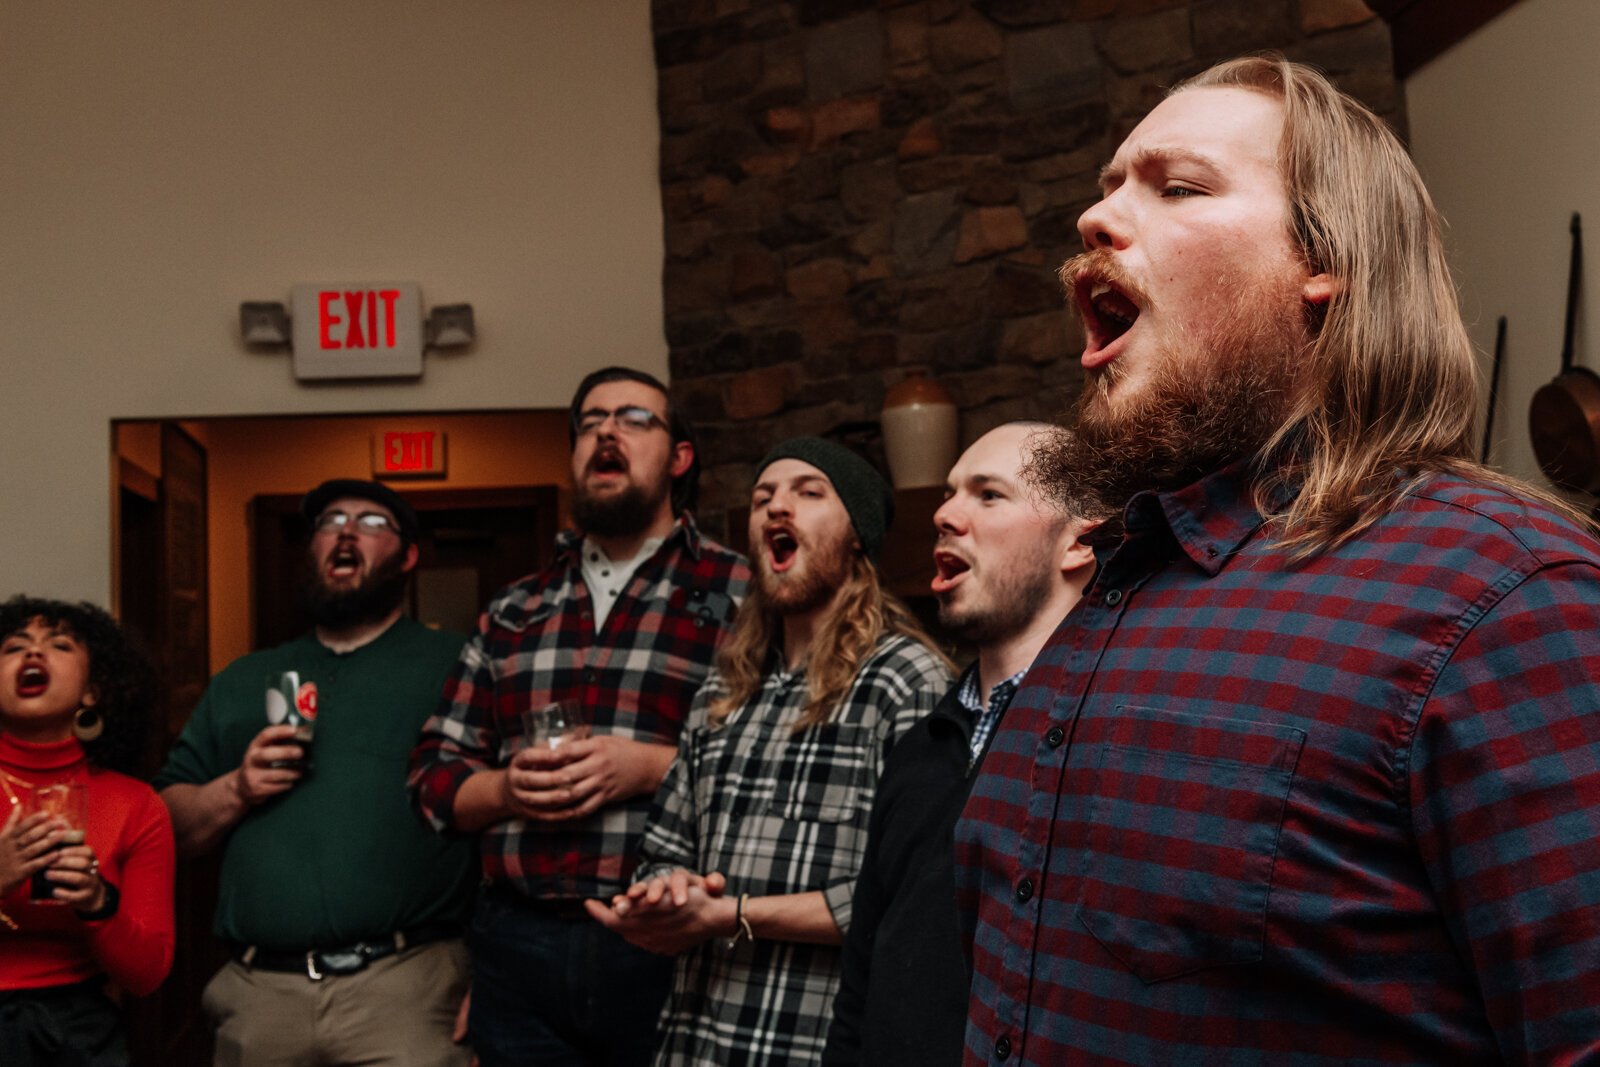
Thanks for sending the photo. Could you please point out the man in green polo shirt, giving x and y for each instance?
(343, 910)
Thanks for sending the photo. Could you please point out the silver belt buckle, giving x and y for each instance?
(311, 967)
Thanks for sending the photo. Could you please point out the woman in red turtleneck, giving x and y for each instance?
(72, 709)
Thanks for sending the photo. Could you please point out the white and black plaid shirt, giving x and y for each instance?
(778, 812)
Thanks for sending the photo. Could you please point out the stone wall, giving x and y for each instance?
(860, 190)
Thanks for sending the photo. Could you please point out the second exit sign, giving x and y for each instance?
(408, 454)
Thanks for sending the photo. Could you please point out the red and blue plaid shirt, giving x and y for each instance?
(1247, 810)
(536, 644)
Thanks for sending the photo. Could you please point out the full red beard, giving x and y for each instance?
(1206, 402)
(821, 567)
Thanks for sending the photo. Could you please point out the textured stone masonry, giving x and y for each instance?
(856, 191)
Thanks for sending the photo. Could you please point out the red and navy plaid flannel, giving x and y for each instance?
(535, 644)
(1245, 810)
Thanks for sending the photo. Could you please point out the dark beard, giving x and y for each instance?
(1202, 408)
(342, 609)
(1014, 602)
(624, 514)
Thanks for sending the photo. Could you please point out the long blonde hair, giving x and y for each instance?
(1389, 390)
(861, 615)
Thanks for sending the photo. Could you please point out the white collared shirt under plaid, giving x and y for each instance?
(985, 718)
(778, 812)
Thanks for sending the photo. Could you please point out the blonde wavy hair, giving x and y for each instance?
(1389, 390)
(862, 614)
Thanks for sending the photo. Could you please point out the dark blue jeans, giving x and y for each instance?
(560, 991)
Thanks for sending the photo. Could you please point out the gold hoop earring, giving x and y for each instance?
(87, 724)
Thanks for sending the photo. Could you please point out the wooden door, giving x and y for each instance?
(164, 599)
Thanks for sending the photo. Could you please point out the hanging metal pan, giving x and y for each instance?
(1564, 419)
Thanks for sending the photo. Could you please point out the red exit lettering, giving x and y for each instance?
(408, 451)
(360, 319)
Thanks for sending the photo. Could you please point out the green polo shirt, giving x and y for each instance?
(341, 856)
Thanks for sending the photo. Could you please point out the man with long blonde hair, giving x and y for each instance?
(750, 860)
(1312, 775)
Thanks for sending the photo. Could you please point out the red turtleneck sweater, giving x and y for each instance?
(131, 835)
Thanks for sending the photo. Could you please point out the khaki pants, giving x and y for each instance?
(397, 1013)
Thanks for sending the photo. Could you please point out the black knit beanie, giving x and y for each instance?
(866, 496)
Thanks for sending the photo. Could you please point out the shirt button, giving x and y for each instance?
(1024, 890)
(1002, 1048)
(1114, 598)
(588, 675)
(587, 614)
(1055, 737)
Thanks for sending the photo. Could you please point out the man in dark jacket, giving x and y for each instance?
(1010, 565)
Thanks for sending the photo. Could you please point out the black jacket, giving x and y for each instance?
(903, 933)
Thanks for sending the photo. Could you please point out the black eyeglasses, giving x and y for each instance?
(368, 522)
(630, 419)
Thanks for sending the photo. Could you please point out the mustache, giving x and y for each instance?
(1098, 264)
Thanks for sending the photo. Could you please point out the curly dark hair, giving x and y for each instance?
(120, 674)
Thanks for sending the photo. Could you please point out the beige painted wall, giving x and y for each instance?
(164, 160)
(1506, 130)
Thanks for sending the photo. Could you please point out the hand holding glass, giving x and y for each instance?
(64, 801)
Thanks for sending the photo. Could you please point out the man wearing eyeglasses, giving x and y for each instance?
(625, 623)
(344, 913)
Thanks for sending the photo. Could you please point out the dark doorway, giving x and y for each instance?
(174, 482)
(473, 542)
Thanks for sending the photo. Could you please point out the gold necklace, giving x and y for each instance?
(6, 779)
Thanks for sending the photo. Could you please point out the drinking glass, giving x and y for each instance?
(62, 800)
(555, 724)
(292, 701)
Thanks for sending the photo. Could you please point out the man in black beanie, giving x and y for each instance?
(750, 860)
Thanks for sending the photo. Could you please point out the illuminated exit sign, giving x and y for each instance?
(358, 330)
(408, 454)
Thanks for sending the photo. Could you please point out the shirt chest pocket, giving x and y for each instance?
(1183, 826)
(822, 773)
(693, 615)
